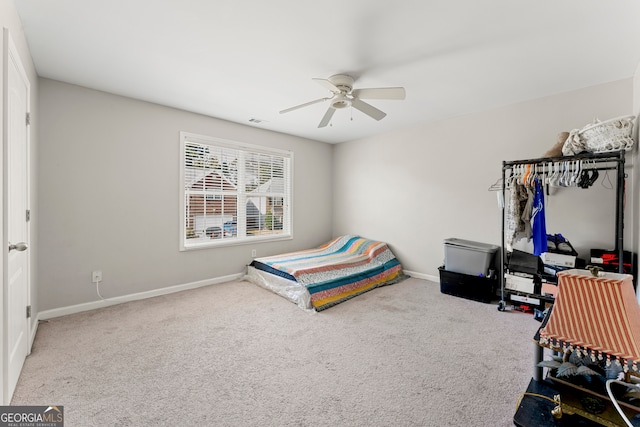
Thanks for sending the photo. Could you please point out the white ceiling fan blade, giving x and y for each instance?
(368, 109)
(327, 117)
(306, 104)
(327, 84)
(380, 93)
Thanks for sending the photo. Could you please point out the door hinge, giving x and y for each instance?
(28, 312)
(28, 215)
(28, 119)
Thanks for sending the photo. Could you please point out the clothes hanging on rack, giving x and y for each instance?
(575, 171)
(524, 180)
(538, 223)
(512, 212)
(518, 215)
(525, 217)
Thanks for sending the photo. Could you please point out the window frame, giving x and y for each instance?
(220, 143)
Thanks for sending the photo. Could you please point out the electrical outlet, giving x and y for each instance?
(96, 276)
(253, 253)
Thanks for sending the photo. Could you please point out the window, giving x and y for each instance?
(233, 193)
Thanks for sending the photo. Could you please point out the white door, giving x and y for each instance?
(17, 341)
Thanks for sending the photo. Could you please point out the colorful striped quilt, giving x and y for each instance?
(341, 269)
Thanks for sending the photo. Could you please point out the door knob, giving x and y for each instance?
(22, 246)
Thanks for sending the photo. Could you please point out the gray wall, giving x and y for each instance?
(109, 196)
(416, 187)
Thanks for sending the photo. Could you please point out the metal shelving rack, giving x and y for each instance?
(600, 161)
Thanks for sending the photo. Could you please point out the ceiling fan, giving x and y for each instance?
(343, 95)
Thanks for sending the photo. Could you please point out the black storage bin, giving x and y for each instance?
(476, 288)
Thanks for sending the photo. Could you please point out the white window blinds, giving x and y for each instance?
(233, 193)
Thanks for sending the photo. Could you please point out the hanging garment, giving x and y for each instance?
(510, 219)
(526, 214)
(517, 226)
(538, 224)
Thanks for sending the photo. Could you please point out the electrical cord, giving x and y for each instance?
(534, 395)
(615, 401)
(98, 290)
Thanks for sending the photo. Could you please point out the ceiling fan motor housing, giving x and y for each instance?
(342, 82)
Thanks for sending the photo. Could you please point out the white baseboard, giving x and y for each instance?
(423, 276)
(78, 308)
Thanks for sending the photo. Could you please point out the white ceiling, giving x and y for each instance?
(243, 59)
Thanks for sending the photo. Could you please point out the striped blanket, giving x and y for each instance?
(341, 269)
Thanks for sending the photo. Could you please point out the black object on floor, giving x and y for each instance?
(476, 288)
(535, 411)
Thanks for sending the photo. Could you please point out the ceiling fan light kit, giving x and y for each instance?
(341, 101)
(343, 95)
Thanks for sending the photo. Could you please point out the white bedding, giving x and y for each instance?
(293, 291)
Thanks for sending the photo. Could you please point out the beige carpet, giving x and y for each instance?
(234, 354)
